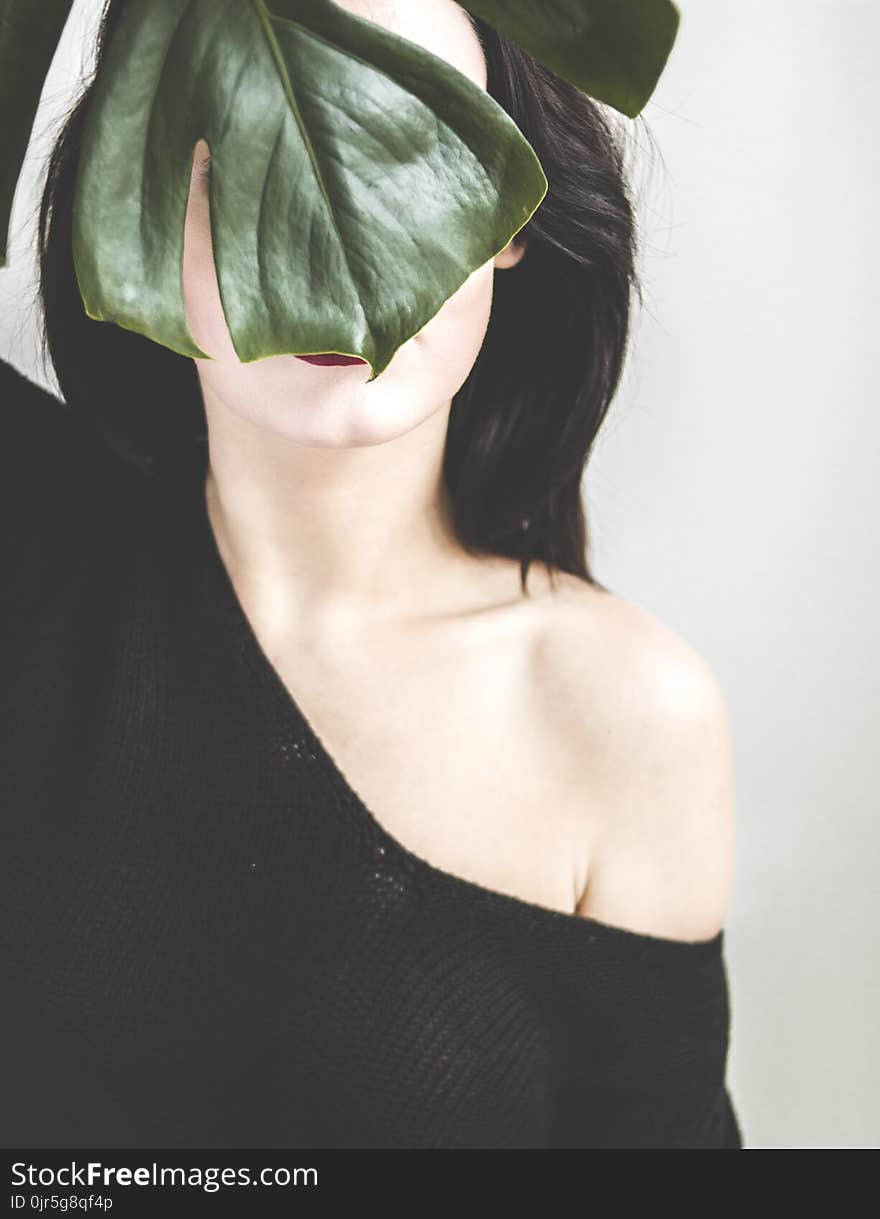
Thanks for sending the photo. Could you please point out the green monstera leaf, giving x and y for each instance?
(357, 179)
(614, 50)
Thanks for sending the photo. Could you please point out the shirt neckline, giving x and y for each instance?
(287, 712)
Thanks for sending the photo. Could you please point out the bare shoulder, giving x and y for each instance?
(642, 714)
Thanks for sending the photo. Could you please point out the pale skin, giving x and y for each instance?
(567, 748)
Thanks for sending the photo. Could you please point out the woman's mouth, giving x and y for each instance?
(329, 359)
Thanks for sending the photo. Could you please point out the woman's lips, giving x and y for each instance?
(330, 359)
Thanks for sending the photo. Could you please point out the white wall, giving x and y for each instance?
(734, 494)
(19, 342)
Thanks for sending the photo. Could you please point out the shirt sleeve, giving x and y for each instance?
(57, 481)
(642, 1032)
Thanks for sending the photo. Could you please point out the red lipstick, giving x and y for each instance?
(330, 359)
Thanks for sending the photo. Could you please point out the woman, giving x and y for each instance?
(348, 809)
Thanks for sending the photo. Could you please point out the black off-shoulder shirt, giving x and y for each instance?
(208, 940)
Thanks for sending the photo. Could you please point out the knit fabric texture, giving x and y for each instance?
(208, 940)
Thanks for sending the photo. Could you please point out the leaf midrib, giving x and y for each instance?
(265, 18)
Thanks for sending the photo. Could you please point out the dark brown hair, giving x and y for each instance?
(523, 424)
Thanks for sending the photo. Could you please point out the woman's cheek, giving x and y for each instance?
(201, 291)
(452, 339)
